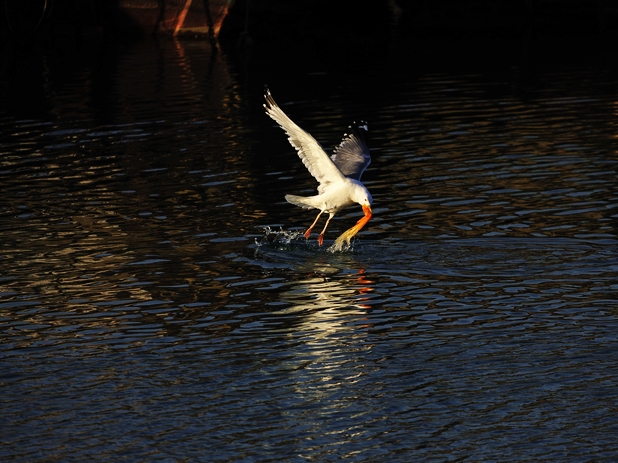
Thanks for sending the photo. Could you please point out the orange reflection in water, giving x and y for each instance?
(362, 280)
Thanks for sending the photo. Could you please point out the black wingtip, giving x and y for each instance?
(360, 125)
(270, 102)
(360, 129)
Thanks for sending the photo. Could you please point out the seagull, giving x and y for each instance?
(338, 176)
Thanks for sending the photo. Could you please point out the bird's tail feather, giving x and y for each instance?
(302, 201)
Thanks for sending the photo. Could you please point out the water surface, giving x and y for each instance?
(156, 306)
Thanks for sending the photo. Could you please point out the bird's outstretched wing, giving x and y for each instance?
(309, 150)
(352, 155)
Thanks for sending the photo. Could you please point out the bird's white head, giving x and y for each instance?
(361, 195)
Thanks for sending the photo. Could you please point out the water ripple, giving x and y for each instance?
(158, 300)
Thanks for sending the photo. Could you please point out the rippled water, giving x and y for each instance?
(157, 303)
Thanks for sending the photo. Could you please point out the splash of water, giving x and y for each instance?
(280, 236)
(340, 245)
(283, 237)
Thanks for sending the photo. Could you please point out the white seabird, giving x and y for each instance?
(338, 175)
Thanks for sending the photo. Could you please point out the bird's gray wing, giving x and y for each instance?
(352, 155)
(309, 150)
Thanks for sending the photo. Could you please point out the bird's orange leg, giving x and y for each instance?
(347, 235)
(321, 235)
(308, 232)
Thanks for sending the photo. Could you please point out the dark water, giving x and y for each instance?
(155, 307)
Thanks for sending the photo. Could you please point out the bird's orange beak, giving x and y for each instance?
(362, 222)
